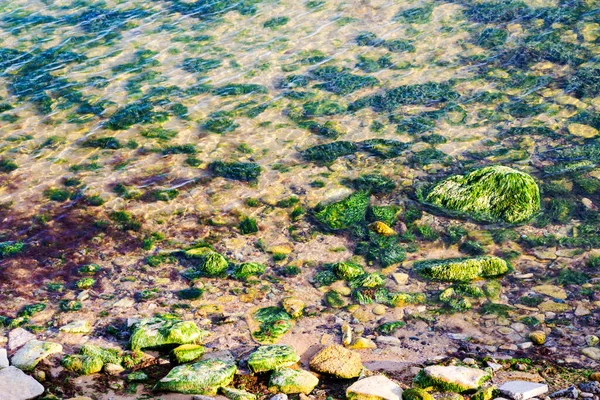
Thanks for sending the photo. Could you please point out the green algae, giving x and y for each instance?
(290, 381)
(274, 323)
(347, 270)
(345, 213)
(82, 364)
(492, 193)
(462, 269)
(241, 171)
(245, 270)
(187, 353)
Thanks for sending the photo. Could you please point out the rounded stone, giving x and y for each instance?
(379, 309)
(538, 337)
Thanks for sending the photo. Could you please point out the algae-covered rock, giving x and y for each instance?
(138, 376)
(538, 337)
(187, 352)
(451, 378)
(347, 270)
(494, 193)
(403, 299)
(345, 213)
(268, 358)
(274, 323)
(337, 361)
(461, 269)
(112, 356)
(376, 387)
(28, 356)
(416, 394)
(245, 270)
(209, 262)
(237, 394)
(486, 393)
(82, 364)
(290, 381)
(203, 377)
(157, 332)
(293, 306)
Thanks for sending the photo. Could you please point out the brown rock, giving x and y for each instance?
(337, 361)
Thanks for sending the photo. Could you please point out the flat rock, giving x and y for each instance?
(551, 290)
(3, 359)
(16, 385)
(79, 326)
(568, 393)
(374, 388)
(28, 356)
(451, 378)
(337, 361)
(522, 390)
(591, 352)
(18, 337)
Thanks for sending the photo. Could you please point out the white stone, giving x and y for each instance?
(522, 390)
(125, 302)
(3, 359)
(494, 366)
(79, 326)
(400, 278)
(591, 352)
(18, 337)
(525, 345)
(28, 356)
(16, 385)
(375, 387)
(580, 311)
(468, 378)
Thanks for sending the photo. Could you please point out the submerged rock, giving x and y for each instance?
(451, 378)
(337, 361)
(157, 332)
(462, 269)
(203, 377)
(290, 381)
(376, 388)
(345, 213)
(268, 358)
(28, 356)
(16, 385)
(494, 193)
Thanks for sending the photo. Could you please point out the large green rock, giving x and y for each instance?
(348, 270)
(268, 358)
(338, 361)
(461, 269)
(82, 364)
(157, 332)
(203, 377)
(494, 193)
(291, 381)
(345, 213)
(110, 356)
(451, 378)
(28, 356)
(245, 270)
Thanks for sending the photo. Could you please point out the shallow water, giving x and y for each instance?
(149, 79)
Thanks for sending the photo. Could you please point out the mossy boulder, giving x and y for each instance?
(204, 377)
(462, 269)
(337, 361)
(451, 378)
(376, 387)
(158, 332)
(490, 194)
(345, 213)
(187, 352)
(82, 364)
(291, 381)
(28, 356)
(268, 358)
